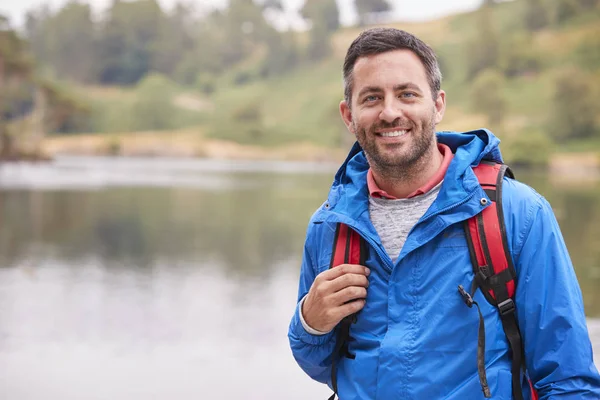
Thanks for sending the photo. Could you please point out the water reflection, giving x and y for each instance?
(183, 290)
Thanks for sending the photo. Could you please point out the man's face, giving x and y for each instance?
(393, 114)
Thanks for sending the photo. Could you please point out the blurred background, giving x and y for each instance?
(161, 159)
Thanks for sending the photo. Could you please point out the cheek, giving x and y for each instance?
(365, 119)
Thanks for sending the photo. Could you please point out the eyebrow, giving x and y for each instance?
(377, 89)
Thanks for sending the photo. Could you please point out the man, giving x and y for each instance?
(407, 192)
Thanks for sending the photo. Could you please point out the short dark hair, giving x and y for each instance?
(380, 40)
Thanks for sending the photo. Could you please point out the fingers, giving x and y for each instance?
(349, 294)
(334, 294)
(344, 269)
(347, 280)
(350, 308)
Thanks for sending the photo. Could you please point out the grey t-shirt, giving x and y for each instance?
(394, 218)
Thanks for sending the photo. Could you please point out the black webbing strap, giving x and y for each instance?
(343, 333)
(339, 351)
(468, 298)
(511, 329)
(494, 286)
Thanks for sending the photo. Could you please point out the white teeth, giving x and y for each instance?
(393, 134)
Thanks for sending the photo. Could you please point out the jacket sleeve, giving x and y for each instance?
(312, 352)
(558, 351)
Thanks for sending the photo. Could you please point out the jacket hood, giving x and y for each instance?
(469, 149)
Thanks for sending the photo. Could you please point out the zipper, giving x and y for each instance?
(429, 216)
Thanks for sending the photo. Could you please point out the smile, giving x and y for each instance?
(393, 133)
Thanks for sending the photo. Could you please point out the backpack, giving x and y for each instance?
(494, 273)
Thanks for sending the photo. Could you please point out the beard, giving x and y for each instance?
(399, 161)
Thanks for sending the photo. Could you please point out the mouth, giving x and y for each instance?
(393, 134)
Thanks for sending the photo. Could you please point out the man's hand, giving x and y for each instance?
(331, 296)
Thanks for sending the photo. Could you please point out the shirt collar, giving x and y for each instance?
(445, 151)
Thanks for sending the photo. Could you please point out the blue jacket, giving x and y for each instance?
(415, 337)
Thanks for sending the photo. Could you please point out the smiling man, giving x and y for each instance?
(385, 320)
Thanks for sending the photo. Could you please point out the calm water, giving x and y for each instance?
(145, 279)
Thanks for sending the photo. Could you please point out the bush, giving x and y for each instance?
(153, 108)
(564, 10)
(573, 107)
(205, 83)
(587, 53)
(529, 149)
(519, 57)
(248, 113)
(487, 97)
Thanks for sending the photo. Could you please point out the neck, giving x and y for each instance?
(401, 181)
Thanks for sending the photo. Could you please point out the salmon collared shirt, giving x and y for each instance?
(376, 191)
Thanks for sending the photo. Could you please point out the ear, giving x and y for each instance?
(346, 114)
(440, 106)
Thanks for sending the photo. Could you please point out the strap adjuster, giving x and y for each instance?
(506, 307)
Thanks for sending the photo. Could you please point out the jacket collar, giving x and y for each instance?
(348, 197)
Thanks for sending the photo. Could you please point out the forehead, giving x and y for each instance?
(389, 68)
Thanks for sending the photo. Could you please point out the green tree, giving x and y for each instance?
(153, 108)
(573, 107)
(587, 53)
(243, 27)
(529, 148)
(319, 46)
(366, 7)
(323, 12)
(72, 43)
(129, 37)
(16, 72)
(518, 55)
(564, 10)
(282, 53)
(487, 96)
(536, 15)
(26, 97)
(489, 3)
(588, 4)
(206, 55)
(483, 49)
(174, 40)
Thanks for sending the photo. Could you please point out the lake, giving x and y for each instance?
(165, 279)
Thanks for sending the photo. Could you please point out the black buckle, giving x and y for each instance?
(506, 307)
(466, 296)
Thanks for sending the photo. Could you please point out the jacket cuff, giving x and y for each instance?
(298, 330)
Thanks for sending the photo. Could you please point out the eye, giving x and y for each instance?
(371, 98)
(408, 95)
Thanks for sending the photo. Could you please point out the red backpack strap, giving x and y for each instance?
(492, 262)
(348, 248)
(486, 234)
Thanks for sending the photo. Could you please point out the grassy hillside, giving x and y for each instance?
(302, 105)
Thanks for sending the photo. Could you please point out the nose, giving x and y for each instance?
(391, 111)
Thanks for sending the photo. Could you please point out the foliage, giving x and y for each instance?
(153, 108)
(536, 15)
(366, 7)
(319, 46)
(487, 97)
(587, 53)
(233, 56)
(483, 48)
(529, 148)
(564, 10)
(518, 56)
(324, 11)
(573, 107)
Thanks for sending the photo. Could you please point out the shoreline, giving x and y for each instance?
(566, 168)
